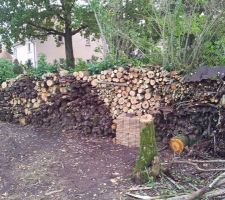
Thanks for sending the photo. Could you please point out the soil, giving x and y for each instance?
(43, 165)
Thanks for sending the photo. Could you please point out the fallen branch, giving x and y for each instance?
(140, 188)
(217, 182)
(207, 161)
(216, 193)
(162, 197)
(139, 196)
(173, 182)
(194, 164)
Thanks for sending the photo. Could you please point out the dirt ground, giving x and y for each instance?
(43, 166)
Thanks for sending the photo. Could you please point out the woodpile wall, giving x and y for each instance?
(57, 102)
(135, 90)
(89, 104)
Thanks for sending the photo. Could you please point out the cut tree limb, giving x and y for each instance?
(196, 166)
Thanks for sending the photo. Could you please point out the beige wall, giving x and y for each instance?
(81, 49)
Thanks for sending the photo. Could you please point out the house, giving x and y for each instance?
(4, 54)
(30, 51)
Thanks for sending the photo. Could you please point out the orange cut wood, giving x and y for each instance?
(177, 145)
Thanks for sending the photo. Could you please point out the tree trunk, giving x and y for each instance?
(70, 60)
(147, 152)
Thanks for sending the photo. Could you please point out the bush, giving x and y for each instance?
(81, 66)
(17, 68)
(213, 53)
(6, 70)
(42, 68)
(97, 67)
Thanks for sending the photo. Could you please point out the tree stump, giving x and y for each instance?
(148, 150)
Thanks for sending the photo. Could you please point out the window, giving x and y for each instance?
(88, 42)
(29, 47)
(15, 53)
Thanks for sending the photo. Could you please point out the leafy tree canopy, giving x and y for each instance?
(28, 19)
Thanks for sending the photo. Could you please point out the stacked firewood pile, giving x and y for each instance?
(87, 104)
(190, 105)
(14, 96)
(197, 110)
(133, 90)
(62, 103)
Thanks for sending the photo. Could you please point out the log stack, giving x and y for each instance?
(133, 90)
(197, 110)
(89, 104)
(60, 103)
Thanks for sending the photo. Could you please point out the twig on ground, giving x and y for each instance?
(173, 182)
(217, 182)
(216, 193)
(194, 164)
(139, 196)
(193, 186)
(140, 188)
(53, 192)
(161, 197)
(207, 161)
(163, 148)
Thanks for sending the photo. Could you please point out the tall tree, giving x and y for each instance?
(26, 19)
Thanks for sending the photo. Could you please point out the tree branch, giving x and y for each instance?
(196, 166)
(79, 29)
(50, 31)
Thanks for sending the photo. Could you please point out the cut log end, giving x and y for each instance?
(146, 119)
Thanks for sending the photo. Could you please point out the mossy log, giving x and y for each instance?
(148, 150)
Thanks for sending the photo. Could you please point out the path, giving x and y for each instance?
(44, 166)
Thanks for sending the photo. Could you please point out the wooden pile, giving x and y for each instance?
(198, 109)
(62, 103)
(133, 90)
(89, 104)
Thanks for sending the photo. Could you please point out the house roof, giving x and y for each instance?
(6, 55)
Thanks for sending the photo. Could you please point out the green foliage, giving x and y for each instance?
(96, 67)
(81, 66)
(6, 70)
(18, 69)
(42, 68)
(213, 52)
(25, 19)
(180, 35)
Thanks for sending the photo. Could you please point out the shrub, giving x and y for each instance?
(97, 67)
(42, 68)
(6, 70)
(81, 66)
(17, 68)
